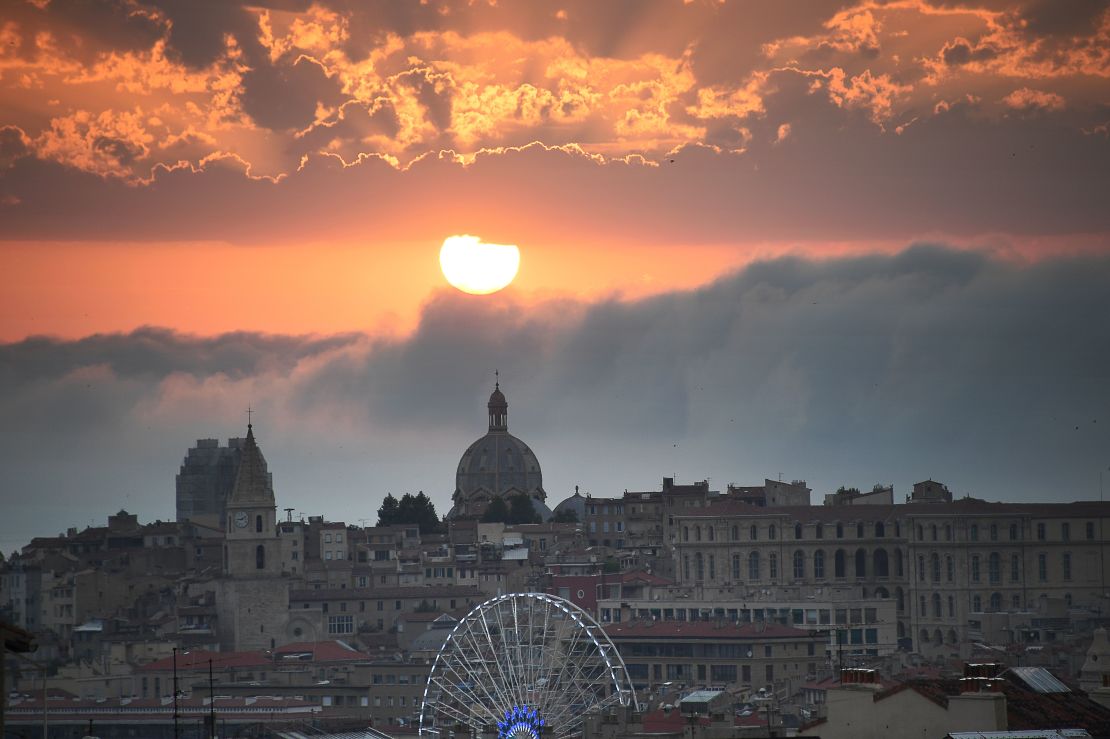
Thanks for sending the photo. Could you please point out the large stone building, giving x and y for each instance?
(497, 465)
(205, 480)
(945, 564)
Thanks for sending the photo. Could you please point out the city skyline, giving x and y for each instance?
(848, 243)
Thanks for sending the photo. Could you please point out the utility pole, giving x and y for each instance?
(176, 728)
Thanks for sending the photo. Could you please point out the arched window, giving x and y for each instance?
(976, 604)
(880, 529)
(773, 566)
(819, 531)
(736, 533)
(951, 636)
(736, 567)
(933, 532)
(753, 566)
(1013, 532)
(861, 563)
(838, 564)
(819, 564)
(882, 592)
(925, 636)
(934, 560)
(1015, 568)
(699, 566)
(950, 566)
(797, 531)
(712, 568)
(951, 607)
(859, 530)
(697, 533)
(938, 637)
(258, 524)
(712, 533)
(772, 532)
(996, 601)
(921, 606)
(900, 599)
(686, 533)
(799, 565)
(899, 567)
(840, 531)
(994, 532)
(921, 567)
(948, 532)
(936, 605)
(686, 567)
(260, 557)
(881, 564)
(920, 533)
(975, 532)
(753, 533)
(994, 568)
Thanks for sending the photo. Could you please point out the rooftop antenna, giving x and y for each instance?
(288, 514)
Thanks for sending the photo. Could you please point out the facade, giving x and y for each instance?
(496, 466)
(943, 563)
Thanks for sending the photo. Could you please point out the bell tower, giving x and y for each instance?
(251, 548)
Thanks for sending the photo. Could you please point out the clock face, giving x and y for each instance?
(241, 519)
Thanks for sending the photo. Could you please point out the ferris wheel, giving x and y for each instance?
(523, 665)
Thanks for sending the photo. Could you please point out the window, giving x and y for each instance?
(260, 557)
(1040, 532)
(899, 568)
(258, 524)
(819, 564)
(799, 565)
(341, 624)
(1015, 602)
(772, 532)
(934, 560)
(975, 568)
(976, 603)
(948, 532)
(819, 531)
(880, 530)
(840, 531)
(773, 565)
(339, 538)
(880, 564)
(936, 605)
(327, 537)
(950, 565)
(1015, 568)
(753, 566)
(1042, 567)
(975, 532)
(712, 567)
(1066, 561)
(933, 532)
(838, 563)
(994, 532)
(1065, 531)
(996, 602)
(736, 567)
(686, 567)
(797, 531)
(753, 533)
(1090, 530)
(711, 533)
(686, 533)
(699, 567)
(951, 607)
(859, 530)
(861, 563)
(994, 568)
(921, 606)
(921, 567)
(736, 533)
(697, 532)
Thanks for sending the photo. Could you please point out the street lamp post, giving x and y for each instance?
(176, 730)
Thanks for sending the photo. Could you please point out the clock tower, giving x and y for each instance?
(252, 604)
(251, 548)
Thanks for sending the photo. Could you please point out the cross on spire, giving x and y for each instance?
(249, 412)
(496, 380)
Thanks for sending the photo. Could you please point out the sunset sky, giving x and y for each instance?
(846, 242)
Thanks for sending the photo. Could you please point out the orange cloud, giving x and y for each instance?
(1027, 99)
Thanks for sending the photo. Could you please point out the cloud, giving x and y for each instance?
(979, 371)
(1029, 99)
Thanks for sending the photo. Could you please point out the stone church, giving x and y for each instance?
(497, 465)
(253, 594)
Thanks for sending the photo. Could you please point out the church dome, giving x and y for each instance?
(498, 464)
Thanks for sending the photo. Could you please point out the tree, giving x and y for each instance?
(496, 512)
(611, 565)
(521, 509)
(387, 514)
(411, 509)
(847, 491)
(567, 515)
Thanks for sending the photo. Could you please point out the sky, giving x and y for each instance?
(846, 242)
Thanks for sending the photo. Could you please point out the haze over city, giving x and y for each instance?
(850, 243)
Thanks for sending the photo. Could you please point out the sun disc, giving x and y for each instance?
(476, 267)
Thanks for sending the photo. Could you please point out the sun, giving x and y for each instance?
(476, 267)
